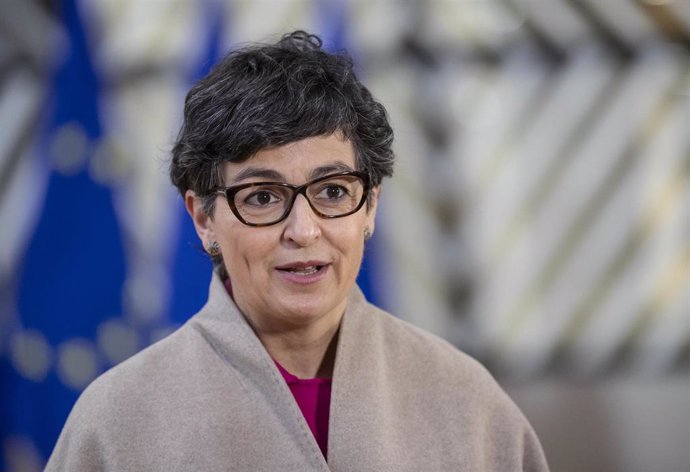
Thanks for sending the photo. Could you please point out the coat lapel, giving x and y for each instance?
(229, 334)
(360, 412)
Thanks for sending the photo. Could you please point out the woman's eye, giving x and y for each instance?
(261, 198)
(333, 192)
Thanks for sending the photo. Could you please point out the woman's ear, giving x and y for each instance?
(203, 223)
(372, 202)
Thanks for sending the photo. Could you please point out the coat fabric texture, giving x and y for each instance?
(210, 398)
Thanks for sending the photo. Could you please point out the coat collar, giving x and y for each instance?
(229, 334)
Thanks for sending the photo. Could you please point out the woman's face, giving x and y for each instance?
(272, 268)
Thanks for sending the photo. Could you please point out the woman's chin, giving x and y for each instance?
(304, 309)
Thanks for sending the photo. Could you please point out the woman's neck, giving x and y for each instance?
(304, 354)
(306, 351)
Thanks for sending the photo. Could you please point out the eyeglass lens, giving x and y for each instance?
(335, 196)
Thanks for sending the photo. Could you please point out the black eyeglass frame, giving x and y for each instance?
(230, 192)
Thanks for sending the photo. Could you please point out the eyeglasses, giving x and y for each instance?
(268, 203)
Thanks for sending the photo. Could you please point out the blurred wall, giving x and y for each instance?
(539, 217)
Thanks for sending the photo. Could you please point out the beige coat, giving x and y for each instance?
(209, 398)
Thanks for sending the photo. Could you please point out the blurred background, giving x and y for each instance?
(539, 217)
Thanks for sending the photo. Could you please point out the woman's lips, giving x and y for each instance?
(304, 272)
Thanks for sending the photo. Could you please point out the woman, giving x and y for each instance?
(287, 367)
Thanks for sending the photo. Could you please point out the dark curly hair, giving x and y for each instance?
(267, 95)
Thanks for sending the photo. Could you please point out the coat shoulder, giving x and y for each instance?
(137, 402)
(440, 392)
(150, 367)
(419, 349)
(429, 360)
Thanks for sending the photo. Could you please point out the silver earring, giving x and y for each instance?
(367, 234)
(213, 249)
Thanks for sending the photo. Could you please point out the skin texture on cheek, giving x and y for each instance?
(272, 303)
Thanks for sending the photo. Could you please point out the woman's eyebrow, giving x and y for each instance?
(329, 169)
(254, 172)
(275, 176)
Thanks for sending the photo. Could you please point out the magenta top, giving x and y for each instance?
(313, 397)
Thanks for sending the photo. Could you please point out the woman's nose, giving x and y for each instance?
(302, 224)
